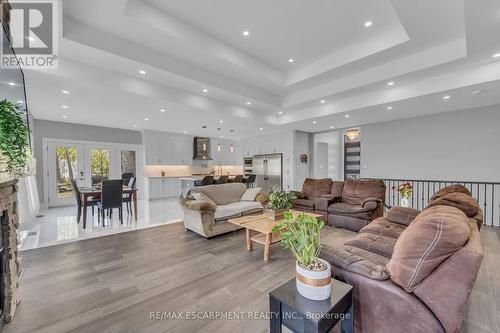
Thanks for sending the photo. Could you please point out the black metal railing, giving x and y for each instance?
(487, 195)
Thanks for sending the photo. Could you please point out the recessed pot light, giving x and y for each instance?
(205, 90)
(246, 33)
(446, 97)
(249, 103)
(65, 91)
(332, 127)
(261, 129)
(64, 116)
(322, 101)
(185, 132)
(368, 24)
(475, 92)
(135, 125)
(346, 116)
(280, 112)
(389, 108)
(291, 60)
(496, 55)
(390, 83)
(221, 121)
(12, 84)
(64, 106)
(162, 110)
(315, 122)
(142, 72)
(146, 119)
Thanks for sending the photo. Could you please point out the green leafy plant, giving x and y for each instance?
(301, 235)
(14, 144)
(281, 199)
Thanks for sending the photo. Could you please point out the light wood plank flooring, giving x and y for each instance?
(113, 283)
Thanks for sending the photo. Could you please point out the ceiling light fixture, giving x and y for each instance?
(64, 106)
(291, 60)
(12, 84)
(142, 72)
(64, 116)
(246, 33)
(475, 92)
(280, 112)
(346, 116)
(135, 125)
(205, 90)
(249, 103)
(185, 132)
(315, 122)
(332, 127)
(446, 97)
(146, 119)
(390, 83)
(162, 110)
(389, 108)
(261, 129)
(368, 24)
(496, 55)
(221, 121)
(65, 91)
(322, 101)
(352, 133)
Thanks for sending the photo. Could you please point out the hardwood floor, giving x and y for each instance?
(114, 283)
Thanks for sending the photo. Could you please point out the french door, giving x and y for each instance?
(88, 164)
(65, 162)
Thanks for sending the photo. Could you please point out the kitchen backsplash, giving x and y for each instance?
(188, 170)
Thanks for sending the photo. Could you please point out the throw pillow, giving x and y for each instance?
(201, 197)
(250, 194)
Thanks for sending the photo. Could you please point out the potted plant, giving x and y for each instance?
(301, 235)
(405, 190)
(14, 145)
(279, 201)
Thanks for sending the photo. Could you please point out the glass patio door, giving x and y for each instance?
(65, 162)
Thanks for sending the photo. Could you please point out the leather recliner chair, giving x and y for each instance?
(311, 189)
(352, 204)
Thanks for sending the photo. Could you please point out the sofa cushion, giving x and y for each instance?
(455, 188)
(434, 235)
(383, 227)
(222, 194)
(381, 245)
(461, 201)
(402, 215)
(313, 188)
(303, 202)
(355, 191)
(356, 260)
(337, 187)
(342, 208)
(250, 194)
(236, 208)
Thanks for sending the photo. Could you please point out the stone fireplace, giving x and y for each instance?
(9, 264)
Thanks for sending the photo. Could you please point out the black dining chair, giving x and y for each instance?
(127, 197)
(91, 201)
(207, 180)
(111, 197)
(222, 180)
(126, 177)
(250, 181)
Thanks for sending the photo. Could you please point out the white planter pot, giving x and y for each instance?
(315, 285)
(405, 202)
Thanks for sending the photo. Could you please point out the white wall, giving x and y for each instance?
(461, 145)
(334, 139)
(301, 145)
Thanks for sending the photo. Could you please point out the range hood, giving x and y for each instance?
(201, 149)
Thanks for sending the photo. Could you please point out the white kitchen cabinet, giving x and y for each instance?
(167, 148)
(164, 187)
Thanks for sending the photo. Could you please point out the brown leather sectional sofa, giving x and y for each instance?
(350, 204)
(413, 271)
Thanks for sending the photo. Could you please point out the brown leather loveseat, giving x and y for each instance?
(352, 204)
(311, 190)
(413, 271)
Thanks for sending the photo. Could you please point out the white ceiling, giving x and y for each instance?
(427, 48)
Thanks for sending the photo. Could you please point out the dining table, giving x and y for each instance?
(95, 192)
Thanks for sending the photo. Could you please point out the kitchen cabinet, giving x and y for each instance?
(167, 148)
(164, 187)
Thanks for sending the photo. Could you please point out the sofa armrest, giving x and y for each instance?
(371, 203)
(402, 215)
(324, 201)
(299, 194)
(199, 205)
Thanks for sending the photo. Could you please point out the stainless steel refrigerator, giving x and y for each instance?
(269, 171)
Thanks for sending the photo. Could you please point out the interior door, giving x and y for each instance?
(65, 162)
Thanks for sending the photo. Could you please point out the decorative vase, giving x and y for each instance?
(275, 214)
(315, 285)
(405, 202)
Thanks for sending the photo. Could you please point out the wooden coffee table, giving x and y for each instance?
(262, 227)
